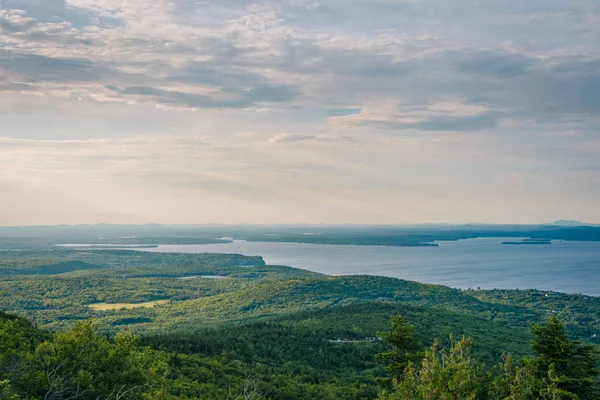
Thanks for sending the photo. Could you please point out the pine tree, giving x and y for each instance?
(405, 347)
(563, 364)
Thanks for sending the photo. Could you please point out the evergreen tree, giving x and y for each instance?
(405, 347)
(567, 368)
(447, 375)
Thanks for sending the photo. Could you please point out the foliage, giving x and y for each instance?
(405, 347)
(76, 364)
(447, 375)
(561, 370)
(81, 363)
(567, 367)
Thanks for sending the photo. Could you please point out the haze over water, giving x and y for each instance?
(571, 267)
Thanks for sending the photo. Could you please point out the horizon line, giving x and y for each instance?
(563, 223)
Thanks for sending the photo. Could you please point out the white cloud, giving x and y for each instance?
(297, 138)
(442, 116)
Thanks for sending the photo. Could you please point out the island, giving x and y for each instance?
(530, 241)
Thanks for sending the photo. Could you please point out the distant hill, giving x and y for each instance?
(566, 222)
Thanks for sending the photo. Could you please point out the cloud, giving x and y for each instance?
(42, 69)
(443, 116)
(270, 93)
(126, 10)
(563, 88)
(18, 28)
(494, 64)
(292, 138)
(370, 101)
(296, 138)
(243, 55)
(7, 86)
(98, 142)
(222, 99)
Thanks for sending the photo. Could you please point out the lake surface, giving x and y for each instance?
(571, 267)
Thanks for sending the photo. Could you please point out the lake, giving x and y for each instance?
(571, 267)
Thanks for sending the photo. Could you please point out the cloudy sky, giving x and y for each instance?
(301, 111)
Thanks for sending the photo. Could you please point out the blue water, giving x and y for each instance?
(571, 267)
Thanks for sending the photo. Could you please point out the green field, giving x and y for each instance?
(125, 306)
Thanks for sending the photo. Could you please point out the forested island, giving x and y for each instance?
(216, 326)
(529, 241)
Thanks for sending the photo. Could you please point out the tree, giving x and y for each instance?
(447, 375)
(512, 381)
(252, 390)
(405, 347)
(6, 392)
(82, 364)
(18, 338)
(565, 365)
(551, 387)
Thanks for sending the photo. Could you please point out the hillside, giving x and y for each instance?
(233, 317)
(203, 290)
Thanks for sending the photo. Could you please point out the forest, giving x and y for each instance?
(81, 363)
(218, 326)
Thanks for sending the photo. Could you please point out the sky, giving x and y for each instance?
(299, 111)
